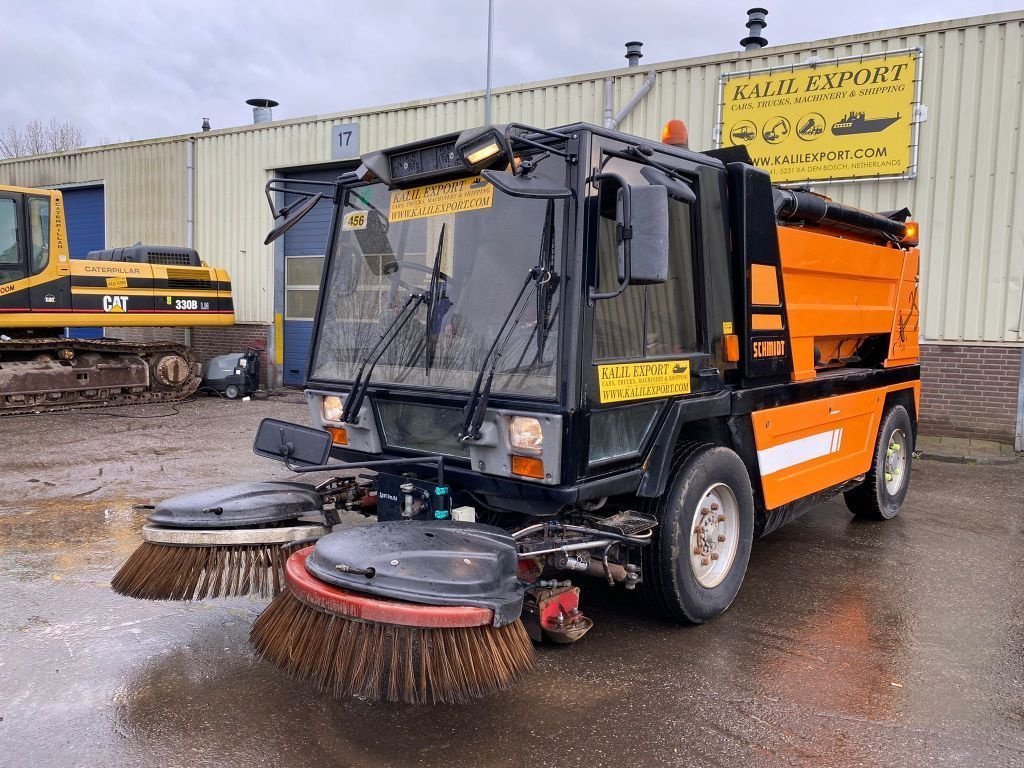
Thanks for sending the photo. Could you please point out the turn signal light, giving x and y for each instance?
(338, 435)
(676, 134)
(911, 236)
(528, 466)
(732, 348)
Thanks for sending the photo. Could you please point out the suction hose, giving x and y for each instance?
(795, 205)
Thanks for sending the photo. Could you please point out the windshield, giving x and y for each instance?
(468, 248)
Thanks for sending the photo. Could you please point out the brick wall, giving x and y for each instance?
(176, 335)
(969, 391)
(210, 342)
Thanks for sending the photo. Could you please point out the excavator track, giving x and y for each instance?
(47, 374)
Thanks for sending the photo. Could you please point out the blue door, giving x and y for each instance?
(83, 209)
(304, 247)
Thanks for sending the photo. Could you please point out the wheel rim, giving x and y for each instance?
(896, 462)
(714, 535)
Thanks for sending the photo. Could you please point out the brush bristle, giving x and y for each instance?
(389, 662)
(161, 572)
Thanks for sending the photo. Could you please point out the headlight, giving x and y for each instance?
(332, 408)
(525, 433)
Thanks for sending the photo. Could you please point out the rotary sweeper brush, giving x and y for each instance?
(221, 543)
(564, 355)
(422, 612)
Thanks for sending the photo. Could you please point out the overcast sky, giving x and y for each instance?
(131, 69)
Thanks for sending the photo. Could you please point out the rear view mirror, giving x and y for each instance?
(677, 189)
(292, 443)
(292, 216)
(647, 260)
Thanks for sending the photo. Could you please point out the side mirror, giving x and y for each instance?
(641, 232)
(647, 260)
(292, 443)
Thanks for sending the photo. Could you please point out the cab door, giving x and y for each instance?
(12, 251)
(649, 345)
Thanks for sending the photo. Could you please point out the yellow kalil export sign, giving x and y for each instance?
(639, 381)
(440, 199)
(832, 120)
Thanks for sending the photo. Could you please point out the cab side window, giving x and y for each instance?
(39, 234)
(8, 232)
(653, 320)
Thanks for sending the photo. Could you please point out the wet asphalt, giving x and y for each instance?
(850, 644)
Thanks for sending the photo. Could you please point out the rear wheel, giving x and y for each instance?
(696, 563)
(881, 495)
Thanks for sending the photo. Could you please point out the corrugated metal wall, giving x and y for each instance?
(968, 195)
(145, 186)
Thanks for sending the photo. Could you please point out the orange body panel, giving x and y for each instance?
(840, 290)
(759, 322)
(904, 348)
(807, 447)
(764, 286)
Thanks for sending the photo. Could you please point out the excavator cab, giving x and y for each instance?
(24, 237)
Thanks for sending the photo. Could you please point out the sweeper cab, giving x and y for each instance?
(544, 357)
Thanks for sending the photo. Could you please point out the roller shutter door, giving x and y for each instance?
(84, 211)
(304, 247)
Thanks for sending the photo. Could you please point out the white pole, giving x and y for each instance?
(490, 52)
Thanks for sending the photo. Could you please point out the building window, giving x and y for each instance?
(302, 286)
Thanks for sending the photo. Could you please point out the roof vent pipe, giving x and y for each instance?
(633, 54)
(206, 124)
(262, 110)
(756, 25)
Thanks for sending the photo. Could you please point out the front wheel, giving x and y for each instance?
(693, 568)
(881, 495)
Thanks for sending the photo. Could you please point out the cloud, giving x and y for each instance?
(128, 70)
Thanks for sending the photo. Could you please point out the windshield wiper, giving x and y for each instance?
(350, 413)
(434, 295)
(473, 414)
(545, 319)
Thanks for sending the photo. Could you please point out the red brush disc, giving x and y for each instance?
(355, 605)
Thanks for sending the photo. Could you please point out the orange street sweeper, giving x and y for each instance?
(542, 357)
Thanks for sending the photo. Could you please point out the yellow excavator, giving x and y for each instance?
(42, 291)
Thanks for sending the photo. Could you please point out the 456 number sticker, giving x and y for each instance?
(354, 220)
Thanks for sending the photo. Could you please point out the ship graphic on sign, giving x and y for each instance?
(857, 122)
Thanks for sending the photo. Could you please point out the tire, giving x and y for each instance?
(679, 584)
(231, 392)
(881, 495)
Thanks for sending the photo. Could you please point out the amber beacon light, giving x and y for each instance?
(676, 134)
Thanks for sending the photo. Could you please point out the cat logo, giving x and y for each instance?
(115, 303)
(50, 298)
